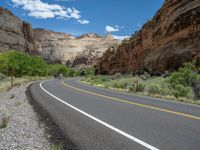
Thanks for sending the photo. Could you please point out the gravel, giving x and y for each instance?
(28, 128)
(23, 130)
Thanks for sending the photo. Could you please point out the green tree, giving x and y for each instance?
(17, 64)
(9, 64)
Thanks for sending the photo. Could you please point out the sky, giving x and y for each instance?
(118, 17)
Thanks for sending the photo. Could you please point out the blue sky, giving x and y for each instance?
(121, 17)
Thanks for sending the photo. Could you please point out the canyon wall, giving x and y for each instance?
(164, 43)
(54, 47)
(14, 33)
(73, 51)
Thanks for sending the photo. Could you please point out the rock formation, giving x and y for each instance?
(64, 48)
(171, 38)
(14, 33)
(54, 47)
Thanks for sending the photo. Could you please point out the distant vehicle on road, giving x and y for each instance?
(59, 76)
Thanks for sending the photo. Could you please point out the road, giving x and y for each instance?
(98, 119)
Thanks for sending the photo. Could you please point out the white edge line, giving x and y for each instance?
(103, 123)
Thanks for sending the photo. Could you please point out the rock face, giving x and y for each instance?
(53, 46)
(15, 34)
(64, 48)
(171, 38)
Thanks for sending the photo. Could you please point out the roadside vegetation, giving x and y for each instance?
(56, 147)
(18, 67)
(5, 82)
(182, 85)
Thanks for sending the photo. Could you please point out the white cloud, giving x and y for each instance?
(111, 29)
(74, 13)
(84, 21)
(120, 37)
(43, 10)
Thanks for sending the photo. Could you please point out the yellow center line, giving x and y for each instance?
(134, 103)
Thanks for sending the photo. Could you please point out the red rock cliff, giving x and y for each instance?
(171, 38)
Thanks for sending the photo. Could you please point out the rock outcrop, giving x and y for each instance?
(14, 33)
(171, 38)
(76, 52)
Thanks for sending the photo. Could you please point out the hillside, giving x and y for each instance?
(163, 44)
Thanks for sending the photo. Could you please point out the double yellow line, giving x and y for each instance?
(133, 103)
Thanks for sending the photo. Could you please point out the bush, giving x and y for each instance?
(57, 69)
(186, 75)
(101, 79)
(137, 87)
(185, 79)
(89, 71)
(182, 91)
(154, 89)
(3, 120)
(116, 76)
(56, 147)
(120, 84)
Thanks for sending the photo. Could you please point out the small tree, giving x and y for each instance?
(9, 64)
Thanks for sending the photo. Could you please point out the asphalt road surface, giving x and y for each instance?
(97, 119)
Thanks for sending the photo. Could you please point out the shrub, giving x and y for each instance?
(57, 69)
(185, 75)
(137, 87)
(154, 89)
(3, 121)
(116, 76)
(101, 79)
(56, 147)
(89, 71)
(120, 84)
(182, 91)
(185, 78)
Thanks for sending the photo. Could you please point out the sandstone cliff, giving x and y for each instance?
(64, 48)
(54, 47)
(14, 33)
(171, 38)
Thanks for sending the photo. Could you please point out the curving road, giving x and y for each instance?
(98, 119)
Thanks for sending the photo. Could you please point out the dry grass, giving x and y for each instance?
(5, 83)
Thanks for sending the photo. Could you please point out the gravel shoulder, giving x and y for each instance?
(29, 127)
